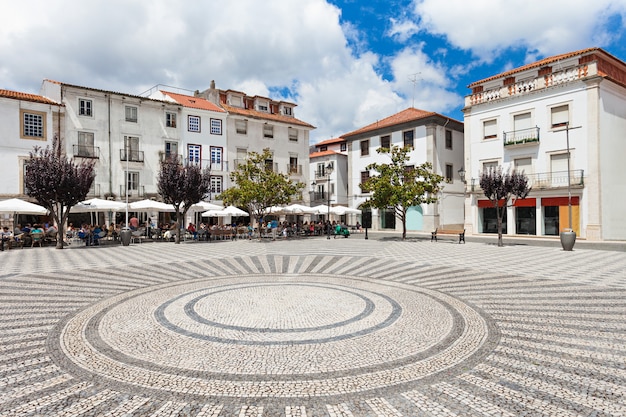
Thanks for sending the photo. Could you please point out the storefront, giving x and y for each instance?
(556, 215)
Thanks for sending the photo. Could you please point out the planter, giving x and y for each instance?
(125, 236)
(568, 238)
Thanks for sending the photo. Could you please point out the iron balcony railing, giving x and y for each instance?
(547, 180)
(133, 156)
(522, 137)
(86, 151)
(294, 169)
(139, 192)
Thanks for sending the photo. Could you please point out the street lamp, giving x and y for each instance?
(462, 174)
(329, 170)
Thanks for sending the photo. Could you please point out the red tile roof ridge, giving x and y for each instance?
(194, 102)
(265, 116)
(17, 95)
(540, 63)
(323, 153)
(406, 115)
(330, 141)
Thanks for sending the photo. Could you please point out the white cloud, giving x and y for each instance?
(402, 30)
(488, 27)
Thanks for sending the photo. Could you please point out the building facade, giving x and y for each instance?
(561, 120)
(433, 138)
(26, 121)
(329, 186)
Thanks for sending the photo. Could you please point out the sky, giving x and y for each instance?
(345, 63)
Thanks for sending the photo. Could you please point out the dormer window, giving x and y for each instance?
(262, 106)
(235, 101)
(287, 111)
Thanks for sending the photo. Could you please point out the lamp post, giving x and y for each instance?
(125, 233)
(568, 237)
(462, 176)
(329, 170)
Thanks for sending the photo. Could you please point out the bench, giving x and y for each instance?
(460, 232)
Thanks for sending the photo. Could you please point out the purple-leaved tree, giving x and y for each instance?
(182, 186)
(57, 183)
(499, 187)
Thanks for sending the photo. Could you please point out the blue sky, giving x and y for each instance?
(346, 63)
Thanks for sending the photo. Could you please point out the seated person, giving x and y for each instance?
(85, 234)
(51, 233)
(192, 230)
(6, 237)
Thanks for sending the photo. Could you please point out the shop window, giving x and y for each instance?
(490, 221)
(525, 221)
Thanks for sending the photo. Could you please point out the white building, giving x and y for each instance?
(26, 121)
(524, 118)
(203, 139)
(434, 138)
(329, 186)
(257, 123)
(123, 133)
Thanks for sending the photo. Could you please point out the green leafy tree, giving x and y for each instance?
(57, 183)
(499, 187)
(182, 186)
(257, 186)
(400, 186)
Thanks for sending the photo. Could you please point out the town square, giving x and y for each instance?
(313, 327)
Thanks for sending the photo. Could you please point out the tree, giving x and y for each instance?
(500, 187)
(400, 186)
(57, 183)
(258, 187)
(182, 186)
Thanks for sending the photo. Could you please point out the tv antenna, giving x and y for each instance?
(413, 78)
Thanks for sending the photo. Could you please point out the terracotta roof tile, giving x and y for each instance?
(254, 114)
(323, 153)
(27, 97)
(194, 102)
(407, 115)
(537, 64)
(330, 141)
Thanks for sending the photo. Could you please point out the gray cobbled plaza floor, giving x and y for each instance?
(313, 327)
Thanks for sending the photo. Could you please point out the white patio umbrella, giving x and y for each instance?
(17, 206)
(321, 209)
(274, 210)
(341, 210)
(98, 204)
(150, 205)
(204, 206)
(299, 209)
(226, 212)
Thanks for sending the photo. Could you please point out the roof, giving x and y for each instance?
(408, 115)
(105, 91)
(323, 153)
(330, 141)
(265, 116)
(193, 102)
(16, 95)
(539, 64)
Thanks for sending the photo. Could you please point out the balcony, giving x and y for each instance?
(164, 155)
(546, 180)
(521, 87)
(94, 191)
(524, 137)
(133, 156)
(86, 151)
(137, 193)
(321, 174)
(319, 196)
(294, 169)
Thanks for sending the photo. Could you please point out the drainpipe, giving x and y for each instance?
(110, 146)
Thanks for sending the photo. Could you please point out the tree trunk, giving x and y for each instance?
(403, 218)
(500, 215)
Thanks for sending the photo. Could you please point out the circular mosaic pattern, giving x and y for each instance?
(294, 335)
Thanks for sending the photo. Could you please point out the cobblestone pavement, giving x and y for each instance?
(312, 327)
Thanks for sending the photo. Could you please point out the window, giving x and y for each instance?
(171, 149)
(132, 181)
(194, 153)
(343, 147)
(262, 106)
(522, 121)
(235, 101)
(193, 123)
(131, 114)
(365, 175)
(385, 142)
(323, 148)
(131, 149)
(287, 111)
(216, 127)
(85, 144)
(407, 137)
(268, 131)
(448, 139)
(33, 124)
(216, 184)
(216, 158)
(269, 164)
(85, 107)
(449, 172)
(293, 165)
(241, 126)
(487, 166)
(523, 165)
(293, 134)
(490, 129)
(559, 116)
(170, 119)
(365, 147)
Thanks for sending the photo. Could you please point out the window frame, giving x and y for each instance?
(449, 173)
(85, 107)
(86, 141)
(216, 126)
(169, 144)
(365, 175)
(191, 121)
(24, 130)
(170, 119)
(406, 140)
(365, 147)
(559, 125)
(241, 126)
(216, 180)
(132, 181)
(194, 159)
(385, 138)
(268, 131)
(217, 156)
(448, 139)
(495, 128)
(128, 113)
(292, 133)
(343, 147)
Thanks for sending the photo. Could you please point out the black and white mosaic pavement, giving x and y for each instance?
(312, 328)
